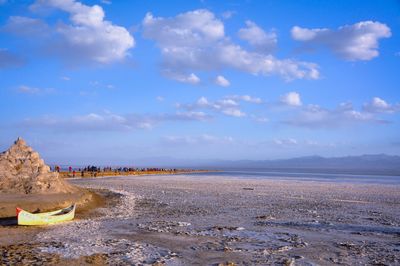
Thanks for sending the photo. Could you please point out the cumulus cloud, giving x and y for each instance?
(88, 36)
(222, 81)
(190, 79)
(228, 105)
(225, 106)
(378, 105)
(262, 41)
(291, 99)
(359, 41)
(245, 98)
(196, 41)
(233, 112)
(9, 59)
(234, 56)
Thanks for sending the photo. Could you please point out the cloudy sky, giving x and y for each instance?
(115, 81)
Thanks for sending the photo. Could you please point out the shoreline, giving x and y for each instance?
(89, 174)
(216, 174)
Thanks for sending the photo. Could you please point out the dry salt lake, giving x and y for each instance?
(240, 217)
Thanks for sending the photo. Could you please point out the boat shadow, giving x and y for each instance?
(8, 221)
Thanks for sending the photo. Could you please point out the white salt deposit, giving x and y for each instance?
(88, 237)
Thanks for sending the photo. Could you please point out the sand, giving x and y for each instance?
(180, 220)
(42, 202)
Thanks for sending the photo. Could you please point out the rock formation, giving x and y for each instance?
(22, 171)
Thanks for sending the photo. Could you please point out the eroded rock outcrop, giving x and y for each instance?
(22, 171)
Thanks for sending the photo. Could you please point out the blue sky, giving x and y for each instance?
(117, 81)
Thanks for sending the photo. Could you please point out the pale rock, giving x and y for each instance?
(22, 171)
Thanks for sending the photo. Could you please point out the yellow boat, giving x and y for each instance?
(46, 218)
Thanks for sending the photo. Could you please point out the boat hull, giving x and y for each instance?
(47, 218)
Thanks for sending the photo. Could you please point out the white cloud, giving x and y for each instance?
(89, 36)
(262, 41)
(246, 98)
(65, 78)
(378, 105)
(196, 41)
(192, 28)
(260, 119)
(94, 83)
(311, 142)
(228, 105)
(303, 34)
(285, 142)
(351, 42)
(222, 81)
(315, 116)
(23, 89)
(291, 99)
(191, 115)
(191, 78)
(160, 98)
(25, 26)
(233, 112)
(197, 140)
(28, 90)
(228, 14)
(225, 106)
(234, 56)
(94, 121)
(202, 101)
(108, 121)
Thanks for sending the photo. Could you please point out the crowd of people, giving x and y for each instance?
(95, 170)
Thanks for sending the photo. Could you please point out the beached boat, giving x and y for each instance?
(46, 218)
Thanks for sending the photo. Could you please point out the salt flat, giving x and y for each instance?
(184, 220)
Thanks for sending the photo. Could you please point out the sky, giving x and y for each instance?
(116, 82)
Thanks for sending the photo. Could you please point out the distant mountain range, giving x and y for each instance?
(364, 164)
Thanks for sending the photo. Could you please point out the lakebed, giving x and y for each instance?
(209, 219)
